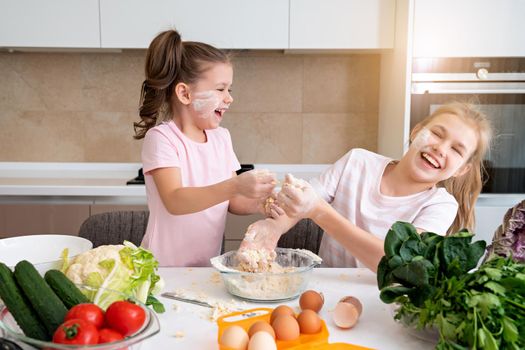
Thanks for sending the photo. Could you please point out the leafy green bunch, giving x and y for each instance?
(430, 278)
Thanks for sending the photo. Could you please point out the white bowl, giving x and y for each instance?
(43, 251)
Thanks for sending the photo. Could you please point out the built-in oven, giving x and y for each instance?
(497, 86)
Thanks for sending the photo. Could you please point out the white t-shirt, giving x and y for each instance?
(352, 186)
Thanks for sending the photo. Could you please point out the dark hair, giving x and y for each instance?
(170, 61)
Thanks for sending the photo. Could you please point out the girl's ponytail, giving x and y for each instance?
(163, 62)
(170, 61)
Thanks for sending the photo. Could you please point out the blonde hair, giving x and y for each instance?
(467, 187)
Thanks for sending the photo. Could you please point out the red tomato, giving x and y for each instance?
(76, 331)
(125, 317)
(107, 335)
(88, 312)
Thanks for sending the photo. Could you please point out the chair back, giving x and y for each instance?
(304, 235)
(115, 227)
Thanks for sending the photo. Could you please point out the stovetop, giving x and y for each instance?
(139, 179)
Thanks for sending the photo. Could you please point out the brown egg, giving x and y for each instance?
(234, 337)
(281, 310)
(309, 322)
(261, 326)
(286, 327)
(355, 302)
(311, 300)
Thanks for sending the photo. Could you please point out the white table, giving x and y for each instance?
(376, 327)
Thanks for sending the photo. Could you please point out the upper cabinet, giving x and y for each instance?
(50, 23)
(469, 28)
(342, 24)
(229, 24)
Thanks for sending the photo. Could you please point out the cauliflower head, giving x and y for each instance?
(93, 264)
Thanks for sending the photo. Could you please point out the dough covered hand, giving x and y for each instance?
(257, 184)
(297, 197)
(257, 250)
(262, 234)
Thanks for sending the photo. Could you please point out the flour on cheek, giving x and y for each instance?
(421, 139)
(205, 103)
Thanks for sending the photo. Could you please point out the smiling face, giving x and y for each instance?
(210, 96)
(441, 149)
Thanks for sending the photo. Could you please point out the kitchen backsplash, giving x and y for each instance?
(288, 108)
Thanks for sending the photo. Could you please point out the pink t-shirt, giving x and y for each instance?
(191, 239)
(352, 186)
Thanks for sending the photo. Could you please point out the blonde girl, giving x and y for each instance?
(434, 186)
(188, 159)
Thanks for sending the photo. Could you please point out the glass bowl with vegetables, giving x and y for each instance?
(51, 312)
(127, 323)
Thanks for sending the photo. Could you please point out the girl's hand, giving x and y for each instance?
(268, 207)
(261, 235)
(298, 198)
(256, 184)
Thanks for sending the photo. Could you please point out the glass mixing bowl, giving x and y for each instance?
(430, 335)
(11, 331)
(268, 286)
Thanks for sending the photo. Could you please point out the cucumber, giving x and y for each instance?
(47, 305)
(65, 289)
(19, 306)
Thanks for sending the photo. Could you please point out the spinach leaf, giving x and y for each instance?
(459, 256)
(389, 294)
(415, 273)
(382, 273)
(398, 233)
(410, 249)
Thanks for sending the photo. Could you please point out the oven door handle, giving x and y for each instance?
(468, 88)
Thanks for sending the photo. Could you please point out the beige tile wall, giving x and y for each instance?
(288, 108)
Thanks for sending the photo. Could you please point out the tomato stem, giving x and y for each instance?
(72, 331)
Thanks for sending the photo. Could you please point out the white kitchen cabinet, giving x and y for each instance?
(229, 24)
(469, 28)
(50, 23)
(342, 24)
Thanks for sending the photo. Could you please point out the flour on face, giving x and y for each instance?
(205, 103)
(421, 139)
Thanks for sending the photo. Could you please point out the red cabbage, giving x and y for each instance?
(509, 238)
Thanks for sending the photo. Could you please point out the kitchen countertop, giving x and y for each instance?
(23, 182)
(188, 326)
(69, 179)
(107, 181)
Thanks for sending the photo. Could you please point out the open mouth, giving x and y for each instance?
(220, 112)
(430, 160)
